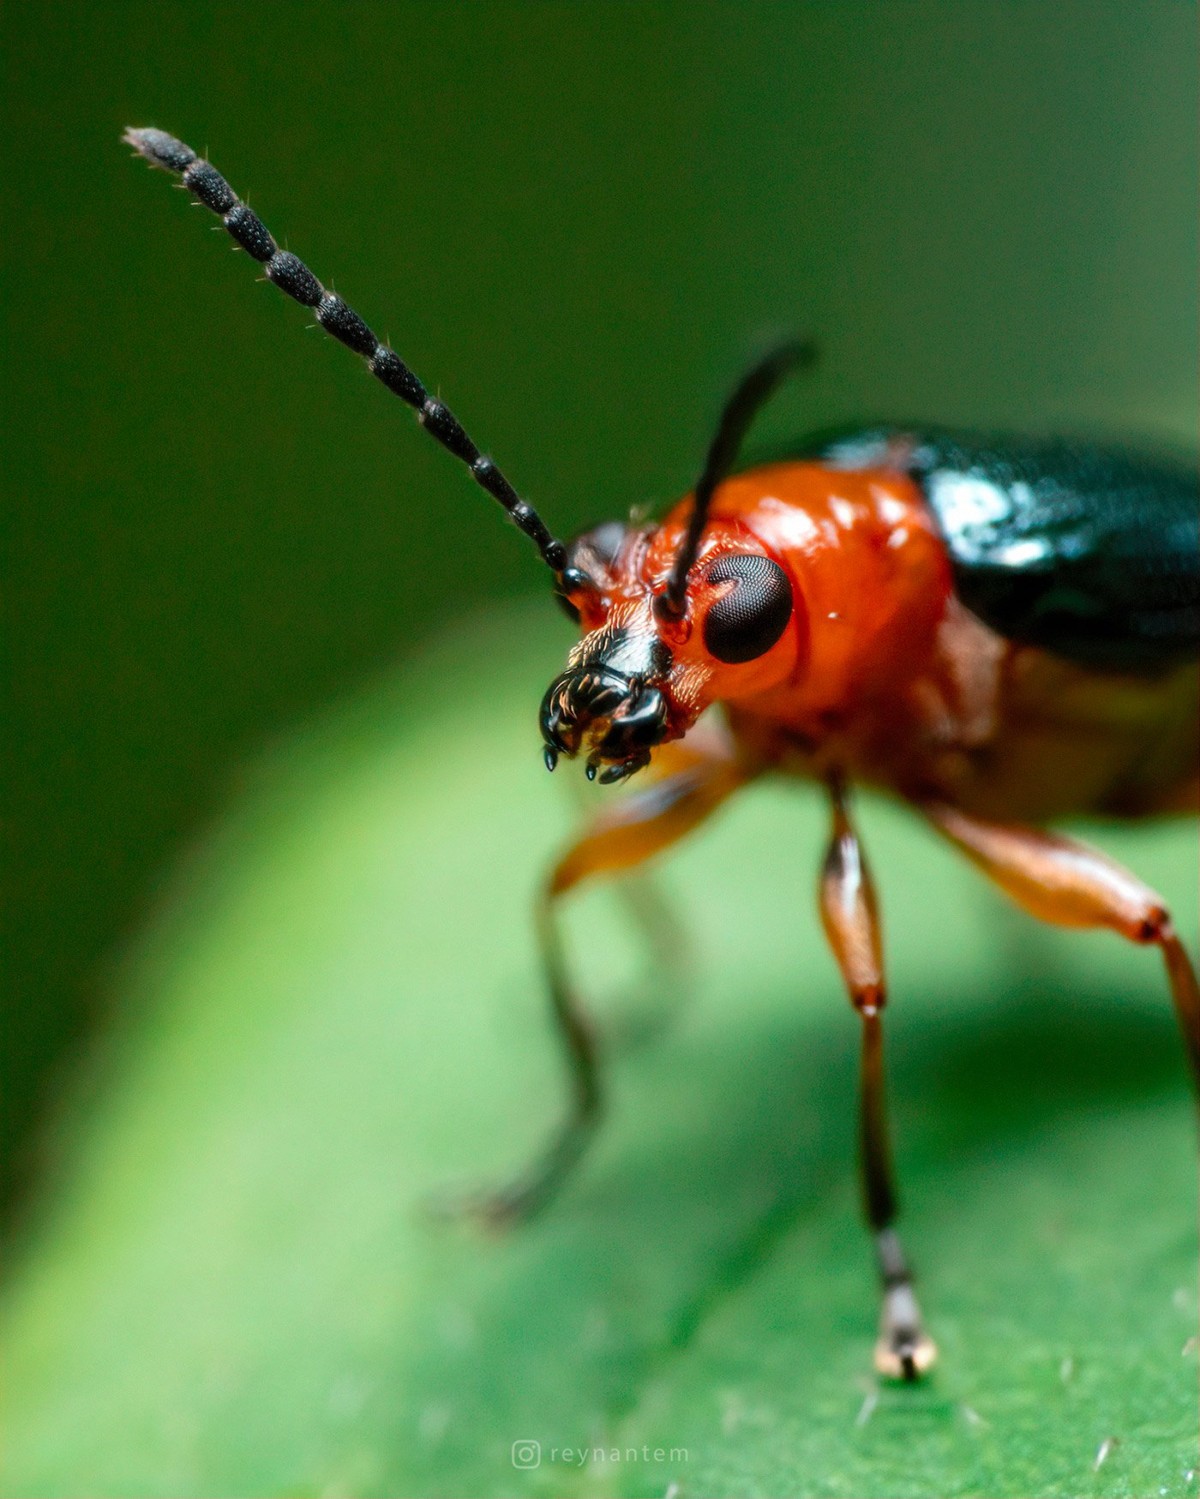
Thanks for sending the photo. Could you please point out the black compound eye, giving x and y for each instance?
(751, 617)
(595, 552)
(591, 558)
(605, 541)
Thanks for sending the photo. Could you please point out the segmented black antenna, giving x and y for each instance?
(292, 276)
(753, 390)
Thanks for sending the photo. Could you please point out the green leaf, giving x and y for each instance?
(232, 1286)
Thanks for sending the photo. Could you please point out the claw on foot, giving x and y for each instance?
(903, 1350)
(905, 1356)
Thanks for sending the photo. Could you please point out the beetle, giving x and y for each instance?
(998, 632)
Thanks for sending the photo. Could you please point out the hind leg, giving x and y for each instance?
(1068, 883)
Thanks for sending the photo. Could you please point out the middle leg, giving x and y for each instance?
(851, 920)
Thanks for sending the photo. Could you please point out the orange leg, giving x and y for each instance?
(683, 787)
(1065, 882)
(851, 920)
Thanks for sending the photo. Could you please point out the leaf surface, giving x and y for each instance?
(233, 1287)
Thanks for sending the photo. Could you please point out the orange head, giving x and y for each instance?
(642, 673)
(675, 616)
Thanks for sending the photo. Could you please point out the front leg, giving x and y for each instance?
(851, 920)
(684, 786)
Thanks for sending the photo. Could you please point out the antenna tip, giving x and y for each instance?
(159, 148)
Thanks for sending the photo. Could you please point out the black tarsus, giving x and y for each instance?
(292, 276)
(753, 390)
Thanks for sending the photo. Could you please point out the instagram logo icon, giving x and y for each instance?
(526, 1454)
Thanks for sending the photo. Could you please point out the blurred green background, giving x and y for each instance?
(574, 221)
